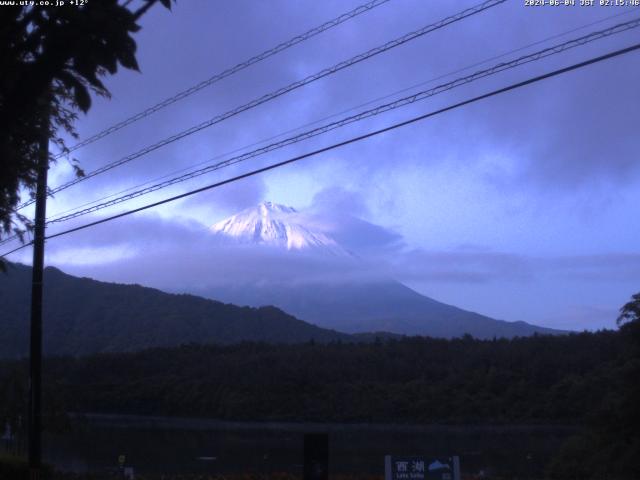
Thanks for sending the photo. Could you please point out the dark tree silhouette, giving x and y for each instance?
(630, 311)
(52, 59)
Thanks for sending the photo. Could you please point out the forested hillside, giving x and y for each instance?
(84, 316)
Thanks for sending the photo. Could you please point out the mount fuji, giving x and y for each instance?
(347, 303)
(278, 226)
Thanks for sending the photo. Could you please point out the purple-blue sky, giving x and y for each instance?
(520, 207)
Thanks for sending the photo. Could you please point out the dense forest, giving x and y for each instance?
(526, 380)
(588, 379)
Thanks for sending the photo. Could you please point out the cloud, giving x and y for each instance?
(140, 232)
(461, 266)
(338, 200)
(194, 268)
(613, 267)
(183, 252)
(226, 200)
(90, 256)
(576, 132)
(479, 265)
(337, 211)
(183, 255)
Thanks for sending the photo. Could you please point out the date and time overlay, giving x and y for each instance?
(526, 3)
(581, 3)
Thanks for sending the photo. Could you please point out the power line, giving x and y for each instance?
(230, 71)
(525, 59)
(9, 238)
(273, 137)
(281, 91)
(499, 91)
(24, 245)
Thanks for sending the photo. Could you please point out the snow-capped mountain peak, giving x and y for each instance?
(276, 225)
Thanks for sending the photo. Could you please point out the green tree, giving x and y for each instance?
(52, 60)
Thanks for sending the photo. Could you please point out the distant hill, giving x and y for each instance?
(83, 316)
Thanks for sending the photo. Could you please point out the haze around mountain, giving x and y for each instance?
(184, 255)
(342, 300)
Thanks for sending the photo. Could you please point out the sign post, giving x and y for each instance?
(316, 456)
(418, 467)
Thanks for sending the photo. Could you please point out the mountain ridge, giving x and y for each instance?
(83, 316)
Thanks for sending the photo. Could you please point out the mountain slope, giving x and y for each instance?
(84, 316)
(383, 306)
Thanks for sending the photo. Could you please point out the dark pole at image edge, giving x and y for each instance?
(35, 348)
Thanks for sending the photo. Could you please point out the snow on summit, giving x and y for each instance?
(276, 225)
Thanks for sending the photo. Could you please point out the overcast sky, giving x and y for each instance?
(520, 207)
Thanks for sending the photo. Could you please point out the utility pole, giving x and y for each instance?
(35, 349)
